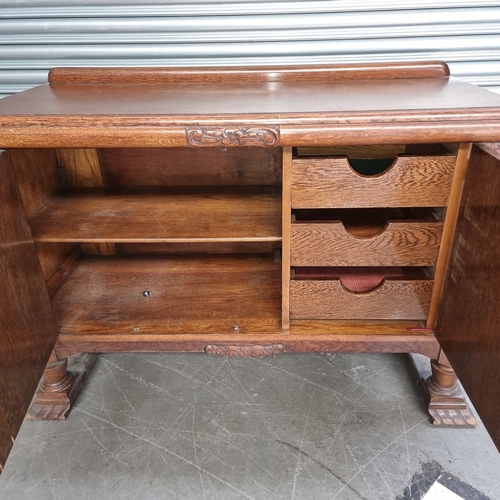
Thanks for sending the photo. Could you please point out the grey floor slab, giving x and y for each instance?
(190, 426)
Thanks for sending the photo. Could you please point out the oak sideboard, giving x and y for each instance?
(250, 211)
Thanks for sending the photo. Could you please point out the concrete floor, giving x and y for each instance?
(190, 426)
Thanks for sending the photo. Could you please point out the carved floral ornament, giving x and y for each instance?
(210, 137)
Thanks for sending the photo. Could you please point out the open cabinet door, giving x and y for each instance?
(468, 327)
(27, 328)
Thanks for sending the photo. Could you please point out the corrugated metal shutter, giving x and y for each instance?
(38, 35)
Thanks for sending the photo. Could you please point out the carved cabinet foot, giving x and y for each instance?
(446, 402)
(59, 387)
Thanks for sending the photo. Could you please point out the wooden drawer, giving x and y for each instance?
(393, 299)
(411, 181)
(400, 243)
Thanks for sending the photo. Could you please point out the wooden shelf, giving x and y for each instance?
(196, 295)
(140, 215)
(365, 237)
(104, 296)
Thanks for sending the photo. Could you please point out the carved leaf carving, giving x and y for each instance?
(209, 137)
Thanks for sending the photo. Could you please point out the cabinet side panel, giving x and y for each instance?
(38, 179)
(469, 320)
(37, 176)
(27, 329)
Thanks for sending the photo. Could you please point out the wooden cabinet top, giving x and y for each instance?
(281, 106)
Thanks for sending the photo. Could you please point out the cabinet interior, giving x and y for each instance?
(139, 241)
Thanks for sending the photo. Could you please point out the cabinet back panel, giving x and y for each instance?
(217, 247)
(190, 167)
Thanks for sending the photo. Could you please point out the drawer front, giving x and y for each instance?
(392, 300)
(411, 181)
(400, 243)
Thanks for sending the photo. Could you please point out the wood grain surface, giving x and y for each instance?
(65, 266)
(52, 256)
(328, 299)
(37, 176)
(203, 294)
(27, 328)
(450, 222)
(320, 107)
(469, 323)
(38, 180)
(332, 183)
(400, 243)
(82, 167)
(382, 151)
(102, 308)
(309, 342)
(424, 69)
(189, 247)
(286, 238)
(159, 215)
(190, 167)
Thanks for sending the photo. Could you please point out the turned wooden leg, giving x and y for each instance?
(59, 387)
(445, 400)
